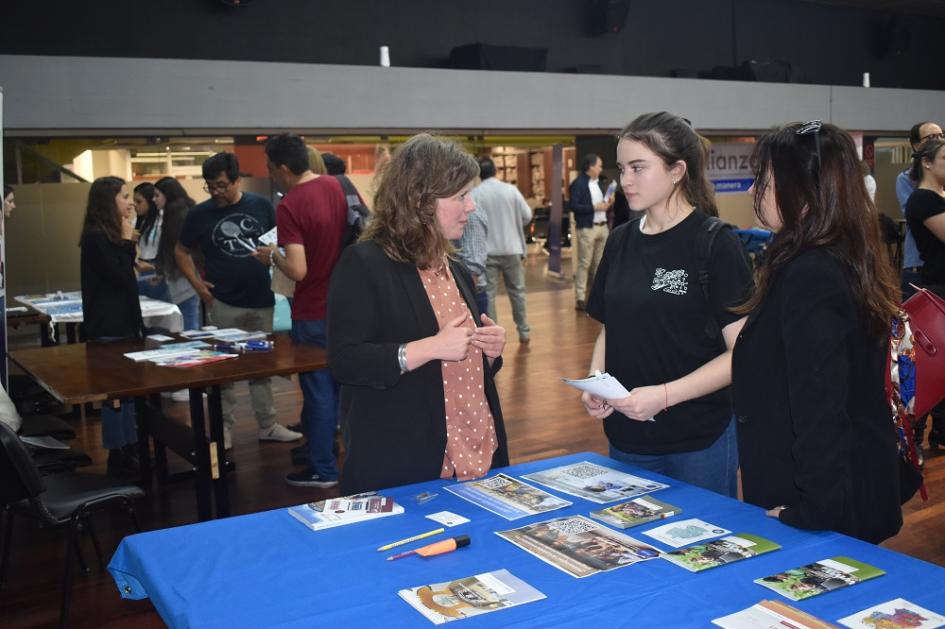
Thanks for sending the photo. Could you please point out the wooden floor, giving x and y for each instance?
(544, 418)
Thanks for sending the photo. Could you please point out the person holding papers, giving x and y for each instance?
(414, 358)
(815, 433)
(110, 306)
(667, 334)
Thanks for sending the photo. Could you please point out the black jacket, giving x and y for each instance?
(110, 305)
(580, 201)
(395, 424)
(814, 430)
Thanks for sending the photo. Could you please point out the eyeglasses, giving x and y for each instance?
(932, 136)
(812, 128)
(220, 186)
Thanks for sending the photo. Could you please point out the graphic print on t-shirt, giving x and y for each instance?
(672, 282)
(236, 235)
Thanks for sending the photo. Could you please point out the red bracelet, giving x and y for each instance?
(665, 397)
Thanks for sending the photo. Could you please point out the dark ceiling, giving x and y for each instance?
(935, 8)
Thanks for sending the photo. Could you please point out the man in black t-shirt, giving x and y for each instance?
(235, 289)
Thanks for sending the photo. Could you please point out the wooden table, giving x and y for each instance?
(93, 372)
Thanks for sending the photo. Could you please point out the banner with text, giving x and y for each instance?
(730, 167)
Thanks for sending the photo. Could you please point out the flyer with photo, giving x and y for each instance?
(823, 576)
(579, 546)
(719, 552)
(472, 596)
(507, 496)
(685, 532)
(636, 512)
(893, 615)
(594, 482)
(771, 615)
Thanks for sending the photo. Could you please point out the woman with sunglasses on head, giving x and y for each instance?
(817, 445)
(663, 293)
(110, 306)
(925, 214)
(148, 223)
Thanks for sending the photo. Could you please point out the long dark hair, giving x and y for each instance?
(175, 211)
(101, 211)
(423, 169)
(144, 223)
(926, 153)
(673, 139)
(822, 200)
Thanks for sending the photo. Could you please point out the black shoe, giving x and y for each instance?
(308, 478)
(296, 427)
(580, 305)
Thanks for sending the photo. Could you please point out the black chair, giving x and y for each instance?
(61, 500)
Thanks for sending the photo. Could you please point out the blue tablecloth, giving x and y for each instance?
(267, 569)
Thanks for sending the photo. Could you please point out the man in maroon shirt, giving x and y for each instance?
(311, 222)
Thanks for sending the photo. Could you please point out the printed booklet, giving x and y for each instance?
(894, 614)
(823, 576)
(594, 482)
(685, 532)
(636, 512)
(507, 496)
(579, 546)
(326, 514)
(771, 615)
(472, 596)
(719, 552)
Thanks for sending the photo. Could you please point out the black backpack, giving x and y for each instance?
(358, 214)
(711, 228)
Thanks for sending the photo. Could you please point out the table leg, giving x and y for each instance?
(201, 455)
(144, 439)
(219, 469)
(160, 451)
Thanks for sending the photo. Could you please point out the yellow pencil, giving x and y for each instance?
(411, 539)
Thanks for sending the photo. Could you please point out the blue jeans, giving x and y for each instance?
(319, 403)
(714, 468)
(119, 426)
(190, 309)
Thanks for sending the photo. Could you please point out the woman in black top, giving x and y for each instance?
(816, 439)
(925, 213)
(110, 305)
(666, 337)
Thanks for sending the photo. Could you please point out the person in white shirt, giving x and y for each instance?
(590, 217)
(507, 214)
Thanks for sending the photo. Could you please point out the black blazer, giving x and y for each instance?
(814, 430)
(580, 201)
(395, 424)
(110, 305)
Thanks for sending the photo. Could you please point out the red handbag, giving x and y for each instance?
(926, 312)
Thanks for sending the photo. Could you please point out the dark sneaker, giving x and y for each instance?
(580, 305)
(307, 478)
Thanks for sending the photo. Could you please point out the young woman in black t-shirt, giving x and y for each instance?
(648, 295)
(925, 213)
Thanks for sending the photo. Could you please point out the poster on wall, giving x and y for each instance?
(730, 167)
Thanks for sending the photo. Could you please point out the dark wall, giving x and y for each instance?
(824, 44)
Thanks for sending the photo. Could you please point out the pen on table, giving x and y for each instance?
(411, 539)
(437, 548)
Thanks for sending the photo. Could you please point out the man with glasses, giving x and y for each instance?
(911, 261)
(235, 289)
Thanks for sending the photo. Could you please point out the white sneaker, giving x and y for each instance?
(278, 432)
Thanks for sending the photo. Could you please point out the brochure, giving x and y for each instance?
(579, 546)
(771, 615)
(269, 238)
(235, 335)
(472, 596)
(594, 482)
(326, 514)
(507, 496)
(825, 575)
(719, 552)
(167, 351)
(193, 358)
(685, 532)
(894, 614)
(636, 512)
(602, 385)
(198, 334)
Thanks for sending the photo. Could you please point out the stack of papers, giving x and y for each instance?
(507, 496)
(347, 510)
(594, 482)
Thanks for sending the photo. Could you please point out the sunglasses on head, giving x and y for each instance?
(812, 128)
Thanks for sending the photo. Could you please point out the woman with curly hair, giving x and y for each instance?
(414, 356)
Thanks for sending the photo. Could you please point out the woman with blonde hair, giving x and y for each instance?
(414, 356)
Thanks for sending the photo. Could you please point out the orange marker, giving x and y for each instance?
(438, 548)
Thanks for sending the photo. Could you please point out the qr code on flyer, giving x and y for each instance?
(584, 470)
(498, 482)
(572, 526)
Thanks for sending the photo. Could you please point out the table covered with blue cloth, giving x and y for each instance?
(268, 569)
